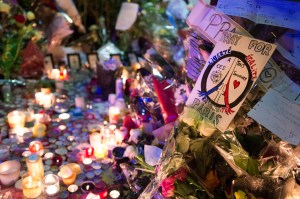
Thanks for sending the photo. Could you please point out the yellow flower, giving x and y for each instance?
(30, 16)
(4, 7)
(240, 195)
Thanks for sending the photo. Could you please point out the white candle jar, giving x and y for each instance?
(16, 119)
(50, 185)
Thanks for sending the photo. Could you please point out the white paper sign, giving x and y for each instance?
(127, 16)
(228, 75)
(279, 115)
(152, 154)
(281, 13)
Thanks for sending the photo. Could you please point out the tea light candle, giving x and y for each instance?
(62, 127)
(87, 162)
(16, 119)
(72, 188)
(114, 114)
(114, 194)
(89, 152)
(51, 185)
(36, 147)
(49, 155)
(87, 186)
(64, 116)
(101, 151)
(95, 139)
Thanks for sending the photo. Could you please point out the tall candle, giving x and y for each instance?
(95, 139)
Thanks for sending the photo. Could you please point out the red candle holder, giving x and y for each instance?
(36, 147)
(89, 152)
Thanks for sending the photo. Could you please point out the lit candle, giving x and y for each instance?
(87, 162)
(47, 100)
(87, 186)
(64, 116)
(68, 176)
(101, 151)
(51, 185)
(16, 119)
(114, 194)
(72, 188)
(49, 155)
(31, 186)
(39, 130)
(95, 139)
(38, 97)
(62, 127)
(55, 74)
(89, 152)
(36, 147)
(114, 114)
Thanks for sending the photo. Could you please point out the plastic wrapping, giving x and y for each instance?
(32, 62)
(198, 51)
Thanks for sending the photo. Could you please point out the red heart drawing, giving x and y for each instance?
(236, 84)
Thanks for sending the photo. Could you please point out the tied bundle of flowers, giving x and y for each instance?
(17, 27)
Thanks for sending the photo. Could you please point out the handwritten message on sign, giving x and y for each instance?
(279, 115)
(271, 12)
(227, 77)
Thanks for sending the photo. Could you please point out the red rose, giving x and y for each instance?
(168, 186)
(20, 18)
(181, 174)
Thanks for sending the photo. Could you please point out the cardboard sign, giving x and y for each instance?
(279, 115)
(228, 75)
(281, 13)
(211, 23)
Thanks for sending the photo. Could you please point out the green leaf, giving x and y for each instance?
(252, 167)
(183, 189)
(240, 156)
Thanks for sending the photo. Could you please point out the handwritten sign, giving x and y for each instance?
(279, 115)
(211, 23)
(281, 13)
(227, 77)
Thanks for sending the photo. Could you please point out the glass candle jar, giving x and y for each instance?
(31, 185)
(50, 185)
(9, 172)
(67, 174)
(62, 104)
(16, 119)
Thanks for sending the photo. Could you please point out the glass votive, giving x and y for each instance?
(4, 152)
(50, 185)
(9, 172)
(64, 116)
(67, 175)
(62, 104)
(16, 119)
(87, 163)
(101, 151)
(31, 185)
(72, 189)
